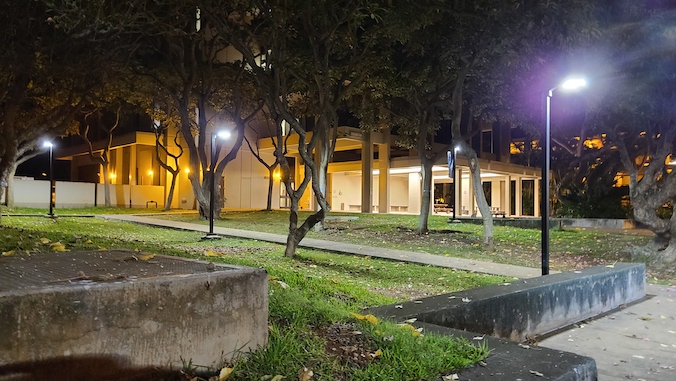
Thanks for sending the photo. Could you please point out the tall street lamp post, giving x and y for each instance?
(455, 181)
(212, 173)
(570, 84)
(52, 185)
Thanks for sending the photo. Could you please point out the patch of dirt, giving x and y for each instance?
(345, 342)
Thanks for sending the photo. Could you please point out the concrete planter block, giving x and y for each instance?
(160, 312)
(529, 307)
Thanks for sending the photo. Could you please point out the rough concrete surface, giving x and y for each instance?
(162, 318)
(633, 343)
(530, 307)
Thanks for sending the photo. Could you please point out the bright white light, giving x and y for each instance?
(223, 134)
(404, 170)
(572, 84)
(48, 144)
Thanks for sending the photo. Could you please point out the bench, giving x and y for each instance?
(497, 212)
(442, 208)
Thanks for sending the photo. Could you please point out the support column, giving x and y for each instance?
(414, 193)
(384, 176)
(508, 196)
(367, 174)
(518, 197)
(133, 173)
(536, 197)
(471, 194)
(457, 181)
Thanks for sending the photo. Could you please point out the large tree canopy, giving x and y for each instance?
(635, 91)
(45, 78)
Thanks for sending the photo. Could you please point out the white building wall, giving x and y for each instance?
(246, 182)
(35, 194)
(346, 192)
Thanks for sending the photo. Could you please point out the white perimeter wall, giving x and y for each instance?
(35, 194)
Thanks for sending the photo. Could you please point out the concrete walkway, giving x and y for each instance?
(635, 343)
(346, 248)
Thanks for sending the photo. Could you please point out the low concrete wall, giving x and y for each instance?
(205, 317)
(529, 307)
(35, 194)
(557, 223)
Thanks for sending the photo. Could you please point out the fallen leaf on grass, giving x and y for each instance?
(45, 240)
(369, 318)
(210, 253)
(284, 285)
(58, 246)
(7, 253)
(305, 374)
(277, 377)
(224, 374)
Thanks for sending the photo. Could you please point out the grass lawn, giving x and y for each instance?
(315, 299)
(569, 249)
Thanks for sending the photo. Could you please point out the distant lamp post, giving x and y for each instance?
(452, 175)
(212, 172)
(570, 84)
(52, 185)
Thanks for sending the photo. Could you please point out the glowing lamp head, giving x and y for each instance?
(48, 144)
(223, 134)
(573, 83)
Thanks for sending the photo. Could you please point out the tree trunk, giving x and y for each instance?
(426, 196)
(292, 239)
(271, 183)
(10, 187)
(170, 196)
(106, 186)
(485, 210)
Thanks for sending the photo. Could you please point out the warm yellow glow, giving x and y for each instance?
(187, 170)
(150, 172)
(621, 180)
(277, 175)
(593, 143)
(112, 176)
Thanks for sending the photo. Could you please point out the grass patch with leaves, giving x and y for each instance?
(315, 299)
(570, 249)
